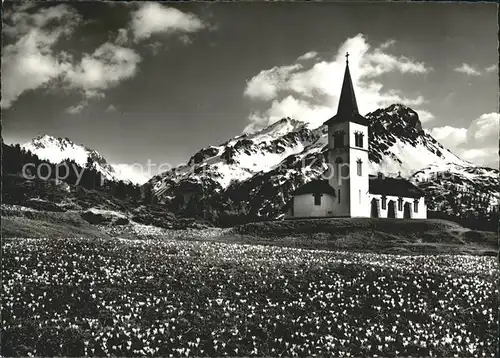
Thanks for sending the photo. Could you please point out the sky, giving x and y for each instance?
(156, 82)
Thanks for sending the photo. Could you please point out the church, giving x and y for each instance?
(350, 191)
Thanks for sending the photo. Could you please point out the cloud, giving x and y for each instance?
(268, 82)
(106, 67)
(30, 62)
(387, 44)
(467, 69)
(425, 116)
(484, 129)
(287, 107)
(448, 136)
(76, 108)
(111, 108)
(310, 93)
(154, 18)
(134, 173)
(307, 56)
(477, 144)
(492, 68)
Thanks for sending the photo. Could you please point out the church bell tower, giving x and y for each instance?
(348, 154)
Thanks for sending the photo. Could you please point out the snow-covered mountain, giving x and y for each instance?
(457, 189)
(262, 169)
(56, 150)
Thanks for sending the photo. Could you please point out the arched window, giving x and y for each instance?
(415, 205)
(358, 139)
(338, 166)
(384, 202)
(400, 204)
(360, 167)
(338, 191)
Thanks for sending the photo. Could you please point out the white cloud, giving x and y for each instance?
(379, 63)
(307, 56)
(30, 62)
(477, 144)
(289, 107)
(111, 108)
(387, 44)
(76, 108)
(154, 18)
(425, 116)
(448, 136)
(492, 68)
(467, 69)
(268, 82)
(311, 93)
(106, 67)
(485, 129)
(134, 173)
(483, 156)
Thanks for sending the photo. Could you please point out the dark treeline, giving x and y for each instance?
(17, 161)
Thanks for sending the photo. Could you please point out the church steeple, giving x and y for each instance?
(347, 101)
(347, 110)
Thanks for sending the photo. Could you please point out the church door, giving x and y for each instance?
(391, 209)
(407, 211)
(374, 211)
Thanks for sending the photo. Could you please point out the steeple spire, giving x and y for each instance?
(347, 101)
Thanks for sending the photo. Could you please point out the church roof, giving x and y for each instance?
(348, 106)
(393, 186)
(315, 187)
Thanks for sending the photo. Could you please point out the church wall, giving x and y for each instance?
(359, 195)
(383, 213)
(422, 210)
(303, 206)
(340, 183)
(341, 208)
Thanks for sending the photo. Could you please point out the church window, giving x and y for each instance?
(317, 199)
(338, 139)
(360, 164)
(338, 191)
(360, 196)
(415, 205)
(384, 202)
(358, 139)
(339, 165)
(400, 204)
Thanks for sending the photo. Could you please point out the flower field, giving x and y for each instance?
(74, 297)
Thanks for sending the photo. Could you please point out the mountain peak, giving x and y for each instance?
(57, 150)
(398, 118)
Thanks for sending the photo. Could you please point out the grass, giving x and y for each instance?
(369, 235)
(75, 297)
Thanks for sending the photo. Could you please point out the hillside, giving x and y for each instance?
(394, 236)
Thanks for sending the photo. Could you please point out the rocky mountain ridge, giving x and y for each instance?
(259, 171)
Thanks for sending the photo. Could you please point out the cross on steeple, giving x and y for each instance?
(347, 101)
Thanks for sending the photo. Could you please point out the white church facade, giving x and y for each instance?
(350, 191)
